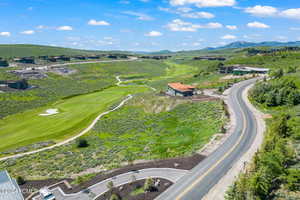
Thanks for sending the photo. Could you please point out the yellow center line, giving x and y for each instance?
(217, 163)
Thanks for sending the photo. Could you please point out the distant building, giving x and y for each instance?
(210, 58)
(63, 58)
(93, 57)
(179, 89)
(242, 70)
(112, 56)
(249, 70)
(9, 189)
(80, 57)
(25, 60)
(3, 63)
(156, 57)
(43, 57)
(20, 85)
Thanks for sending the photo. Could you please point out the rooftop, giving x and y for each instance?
(181, 87)
(9, 189)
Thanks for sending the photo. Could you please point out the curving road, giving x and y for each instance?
(197, 183)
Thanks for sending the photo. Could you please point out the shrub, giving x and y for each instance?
(81, 143)
(114, 197)
(149, 185)
(20, 180)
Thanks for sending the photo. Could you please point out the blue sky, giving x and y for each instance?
(147, 25)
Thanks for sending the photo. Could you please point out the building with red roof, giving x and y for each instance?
(179, 89)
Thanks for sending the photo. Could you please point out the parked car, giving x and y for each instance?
(46, 194)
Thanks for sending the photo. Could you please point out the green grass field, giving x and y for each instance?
(81, 97)
(147, 127)
(75, 114)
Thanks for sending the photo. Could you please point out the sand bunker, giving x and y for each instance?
(50, 112)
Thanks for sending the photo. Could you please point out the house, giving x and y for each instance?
(112, 56)
(25, 60)
(242, 70)
(43, 57)
(94, 57)
(210, 58)
(20, 85)
(62, 58)
(249, 70)
(52, 59)
(9, 189)
(179, 89)
(3, 63)
(80, 57)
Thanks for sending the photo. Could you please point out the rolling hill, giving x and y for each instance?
(23, 50)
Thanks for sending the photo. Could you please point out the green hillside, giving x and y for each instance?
(23, 50)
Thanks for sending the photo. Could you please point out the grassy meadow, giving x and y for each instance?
(74, 115)
(146, 128)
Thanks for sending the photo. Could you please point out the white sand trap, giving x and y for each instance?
(50, 112)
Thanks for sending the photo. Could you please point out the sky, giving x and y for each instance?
(147, 25)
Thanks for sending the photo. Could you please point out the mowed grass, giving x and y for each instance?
(74, 115)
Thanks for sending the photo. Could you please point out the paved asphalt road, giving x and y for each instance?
(196, 184)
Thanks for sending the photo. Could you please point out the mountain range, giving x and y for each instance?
(244, 44)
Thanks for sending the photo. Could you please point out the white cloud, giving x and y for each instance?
(154, 34)
(164, 9)
(203, 3)
(184, 9)
(231, 27)
(196, 44)
(263, 11)
(179, 25)
(94, 22)
(41, 27)
(140, 16)
(291, 13)
(28, 32)
(198, 15)
(269, 11)
(64, 28)
(212, 25)
(5, 34)
(228, 37)
(257, 25)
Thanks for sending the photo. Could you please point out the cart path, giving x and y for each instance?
(74, 137)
